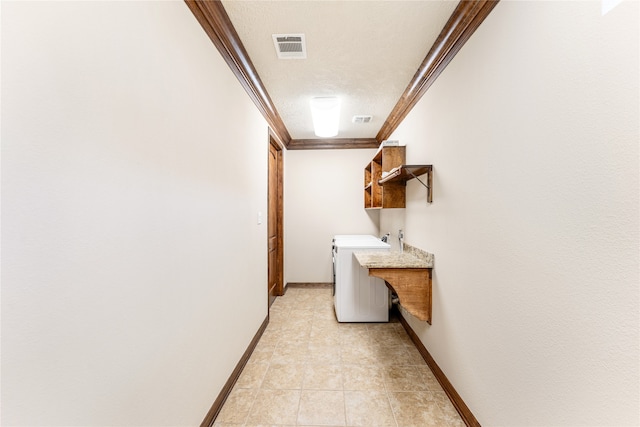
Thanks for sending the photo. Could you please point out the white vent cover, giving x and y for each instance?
(362, 119)
(290, 46)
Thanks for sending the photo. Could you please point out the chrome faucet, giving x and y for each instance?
(401, 239)
(385, 238)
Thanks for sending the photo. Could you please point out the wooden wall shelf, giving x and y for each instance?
(392, 195)
(405, 173)
(390, 191)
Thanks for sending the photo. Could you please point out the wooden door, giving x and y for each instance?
(274, 222)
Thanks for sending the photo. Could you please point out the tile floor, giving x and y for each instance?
(310, 370)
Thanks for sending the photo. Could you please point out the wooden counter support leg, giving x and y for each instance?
(413, 286)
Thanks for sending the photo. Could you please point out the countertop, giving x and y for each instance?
(411, 257)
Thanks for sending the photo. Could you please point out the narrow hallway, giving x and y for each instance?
(310, 370)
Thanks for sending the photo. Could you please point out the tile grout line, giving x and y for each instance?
(308, 361)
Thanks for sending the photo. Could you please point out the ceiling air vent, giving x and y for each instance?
(290, 46)
(362, 119)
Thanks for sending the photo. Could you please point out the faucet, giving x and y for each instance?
(385, 238)
(401, 239)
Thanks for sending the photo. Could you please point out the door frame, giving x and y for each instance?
(279, 147)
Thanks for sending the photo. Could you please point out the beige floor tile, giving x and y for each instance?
(278, 318)
(415, 356)
(416, 409)
(386, 337)
(300, 334)
(381, 328)
(293, 324)
(322, 377)
(290, 352)
(267, 344)
(392, 355)
(272, 336)
(327, 325)
(324, 311)
(275, 407)
(252, 375)
(403, 378)
(324, 336)
(323, 354)
(285, 302)
(285, 376)
(427, 377)
(451, 415)
(406, 340)
(310, 370)
(363, 377)
(301, 313)
(355, 337)
(368, 408)
(268, 425)
(361, 327)
(307, 304)
(449, 411)
(319, 407)
(237, 406)
(326, 304)
(358, 355)
(260, 356)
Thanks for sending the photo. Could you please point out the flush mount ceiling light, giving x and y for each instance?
(325, 111)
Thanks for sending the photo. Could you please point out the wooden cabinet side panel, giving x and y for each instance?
(376, 189)
(393, 157)
(394, 195)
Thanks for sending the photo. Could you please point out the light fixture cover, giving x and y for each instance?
(325, 111)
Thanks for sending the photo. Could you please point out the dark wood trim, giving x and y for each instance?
(277, 144)
(216, 23)
(210, 418)
(275, 139)
(465, 19)
(309, 285)
(462, 408)
(332, 143)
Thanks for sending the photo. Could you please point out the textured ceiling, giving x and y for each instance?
(365, 52)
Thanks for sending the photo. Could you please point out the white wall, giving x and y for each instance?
(533, 134)
(323, 197)
(133, 165)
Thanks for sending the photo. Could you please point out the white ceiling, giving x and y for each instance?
(366, 52)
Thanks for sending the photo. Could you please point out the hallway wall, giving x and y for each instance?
(322, 197)
(133, 168)
(533, 134)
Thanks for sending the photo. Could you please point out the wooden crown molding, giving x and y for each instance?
(466, 18)
(332, 143)
(216, 23)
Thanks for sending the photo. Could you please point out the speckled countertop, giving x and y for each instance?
(411, 257)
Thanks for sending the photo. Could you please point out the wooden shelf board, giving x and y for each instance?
(404, 173)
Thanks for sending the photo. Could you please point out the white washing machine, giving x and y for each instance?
(358, 297)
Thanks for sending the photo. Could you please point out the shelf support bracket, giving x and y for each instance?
(427, 186)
